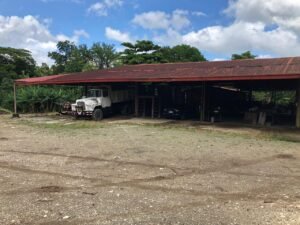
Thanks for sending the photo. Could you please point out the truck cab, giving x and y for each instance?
(99, 101)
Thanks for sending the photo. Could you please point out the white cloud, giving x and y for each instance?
(264, 56)
(161, 20)
(117, 35)
(271, 27)
(101, 8)
(285, 14)
(80, 33)
(170, 38)
(74, 1)
(32, 34)
(198, 13)
(242, 36)
(152, 20)
(219, 59)
(179, 19)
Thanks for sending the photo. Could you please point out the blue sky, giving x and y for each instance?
(218, 28)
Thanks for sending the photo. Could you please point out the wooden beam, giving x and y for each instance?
(15, 98)
(85, 90)
(144, 107)
(15, 102)
(136, 101)
(153, 105)
(159, 107)
(203, 103)
(298, 106)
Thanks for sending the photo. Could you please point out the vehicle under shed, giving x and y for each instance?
(206, 91)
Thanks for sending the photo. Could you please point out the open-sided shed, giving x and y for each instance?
(199, 80)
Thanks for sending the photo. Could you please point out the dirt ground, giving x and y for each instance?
(56, 171)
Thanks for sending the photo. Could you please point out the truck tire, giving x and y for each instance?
(97, 114)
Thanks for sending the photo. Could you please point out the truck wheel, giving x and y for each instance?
(97, 114)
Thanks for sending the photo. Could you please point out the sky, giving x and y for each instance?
(218, 28)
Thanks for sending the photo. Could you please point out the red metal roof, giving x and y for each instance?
(258, 69)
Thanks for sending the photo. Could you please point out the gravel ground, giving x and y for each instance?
(57, 171)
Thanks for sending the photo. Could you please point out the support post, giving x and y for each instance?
(153, 105)
(298, 106)
(15, 114)
(136, 102)
(250, 96)
(85, 90)
(159, 107)
(203, 102)
(144, 107)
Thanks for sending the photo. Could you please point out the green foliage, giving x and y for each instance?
(245, 55)
(146, 52)
(283, 98)
(41, 99)
(14, 64)
(5, 111)
(43, 70)
(103, 55)
(18, 63)
(142, 52)
(71, 58)
(182, 53)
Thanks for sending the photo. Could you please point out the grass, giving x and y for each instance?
(69, 125)
(285, 138)
(5, 111)
(59, 126)
(267, 135)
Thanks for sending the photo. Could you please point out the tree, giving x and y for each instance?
(182, 53)
(14, 64)
(148, 52)
(69, 58)
(19, 63)
(103, 55)
(141, 52)
(43, 70)
(245, 55)
(79, 57)
(18, 60)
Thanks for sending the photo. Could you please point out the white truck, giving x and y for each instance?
(102, 101)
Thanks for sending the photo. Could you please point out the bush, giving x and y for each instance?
(41, 99)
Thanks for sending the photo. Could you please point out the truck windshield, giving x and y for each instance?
(96, 93)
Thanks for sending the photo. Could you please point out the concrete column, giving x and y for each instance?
(298, 106)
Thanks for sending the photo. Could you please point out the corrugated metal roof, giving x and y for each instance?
(258, 69)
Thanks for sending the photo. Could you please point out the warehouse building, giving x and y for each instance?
(207, 91)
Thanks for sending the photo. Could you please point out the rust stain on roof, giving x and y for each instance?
(255, 69)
